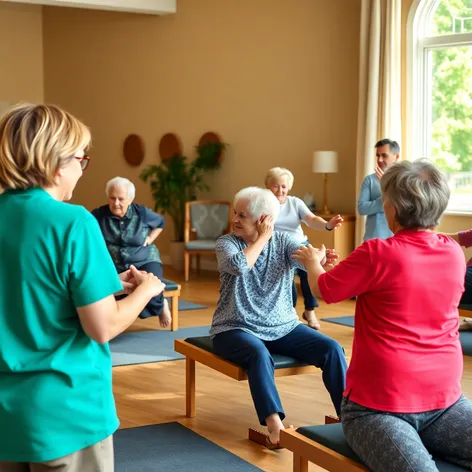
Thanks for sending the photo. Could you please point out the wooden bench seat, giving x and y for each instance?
(326, 446)
(465, 310)
(200, 349)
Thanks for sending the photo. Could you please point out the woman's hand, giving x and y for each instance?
(148, 281)
(331, 258)
(265, 226)
(128, 282)
(308, 254)
(148, 241)
(334, 222)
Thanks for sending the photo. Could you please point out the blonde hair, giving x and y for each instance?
(35, 142)
(277, 173)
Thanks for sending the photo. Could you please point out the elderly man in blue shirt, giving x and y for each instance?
(370, 202)
(129, 230)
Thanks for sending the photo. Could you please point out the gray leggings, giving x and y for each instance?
(404, 442)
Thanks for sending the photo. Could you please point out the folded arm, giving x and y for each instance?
(366, 205)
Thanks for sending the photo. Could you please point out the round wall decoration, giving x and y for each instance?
(133, 149)
(169, 145)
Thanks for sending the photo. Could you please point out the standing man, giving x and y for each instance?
(370, 200)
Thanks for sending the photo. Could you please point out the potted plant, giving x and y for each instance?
(176, 181)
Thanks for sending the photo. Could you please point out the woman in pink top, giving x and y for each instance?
(464, 238)
(403, 399)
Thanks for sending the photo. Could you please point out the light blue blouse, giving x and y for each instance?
(257, 300)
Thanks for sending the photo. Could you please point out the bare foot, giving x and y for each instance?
(311, 319)
(274, 436)
(274, 426)
(165, 317)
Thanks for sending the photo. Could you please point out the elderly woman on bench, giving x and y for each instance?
(403, 399)
(255, 317)
(130, 230)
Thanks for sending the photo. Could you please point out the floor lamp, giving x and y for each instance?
(325, 162)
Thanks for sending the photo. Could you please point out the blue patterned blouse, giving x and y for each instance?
(257, 300)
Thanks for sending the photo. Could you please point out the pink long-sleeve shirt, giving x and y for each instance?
(465, 239)
(406, 355)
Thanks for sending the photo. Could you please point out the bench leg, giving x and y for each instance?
(190, 388)
(299, 463)
(186, 265)
(174, 308)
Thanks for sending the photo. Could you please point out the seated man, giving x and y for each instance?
(129, 230)
(255, 317)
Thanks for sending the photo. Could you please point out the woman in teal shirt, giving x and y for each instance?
(57, 305)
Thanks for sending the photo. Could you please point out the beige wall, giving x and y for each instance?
(21, 53)
(277, 80)
(449, 223)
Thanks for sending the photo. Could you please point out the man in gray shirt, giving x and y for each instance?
(370, 199)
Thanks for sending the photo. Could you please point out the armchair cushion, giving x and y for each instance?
(201, 245)
(209, 220)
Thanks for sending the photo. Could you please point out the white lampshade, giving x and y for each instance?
(325, 162)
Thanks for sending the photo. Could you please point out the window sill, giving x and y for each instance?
(458, 213)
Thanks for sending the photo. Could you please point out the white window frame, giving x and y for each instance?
(418, 77)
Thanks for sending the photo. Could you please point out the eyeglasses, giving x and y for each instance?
(84, 161)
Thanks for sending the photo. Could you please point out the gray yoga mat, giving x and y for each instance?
(143, 347)
(172, 447)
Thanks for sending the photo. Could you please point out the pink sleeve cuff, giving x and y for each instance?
(465, 238)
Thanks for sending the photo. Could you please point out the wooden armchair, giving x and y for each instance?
(205, 222)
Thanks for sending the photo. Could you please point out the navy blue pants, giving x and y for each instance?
(303, 343)
(467, 295)
(310, 300)
(156, 304)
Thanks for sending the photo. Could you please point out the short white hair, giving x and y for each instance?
(260, 201)
(121, 182)
(277, 173)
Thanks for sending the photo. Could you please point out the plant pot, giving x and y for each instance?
(177, 255)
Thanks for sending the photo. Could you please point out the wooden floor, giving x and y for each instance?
(155, 393)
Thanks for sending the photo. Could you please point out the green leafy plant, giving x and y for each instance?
(177, 181)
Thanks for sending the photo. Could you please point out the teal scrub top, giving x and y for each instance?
(55, 382)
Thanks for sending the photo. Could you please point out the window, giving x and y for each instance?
(440, 33)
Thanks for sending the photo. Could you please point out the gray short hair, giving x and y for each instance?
(260, 202)
(121, 182)
(418, 191)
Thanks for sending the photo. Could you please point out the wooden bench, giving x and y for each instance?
(200, 350)
(172, 291)
(326, 446)
(465, 310)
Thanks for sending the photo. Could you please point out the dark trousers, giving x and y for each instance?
(303, 343)
(467, 295)
(310, 301)
(156, 304)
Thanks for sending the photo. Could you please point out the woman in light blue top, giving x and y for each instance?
(255, 318)
(292, 212)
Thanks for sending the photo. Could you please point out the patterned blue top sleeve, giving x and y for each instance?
(291, 246)
(257, 300)
(231, 258)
